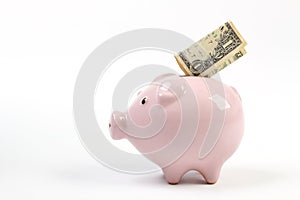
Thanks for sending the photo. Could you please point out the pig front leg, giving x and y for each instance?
(173, 174)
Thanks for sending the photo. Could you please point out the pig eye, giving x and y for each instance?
(144, 100)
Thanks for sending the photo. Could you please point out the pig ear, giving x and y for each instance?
(165, 97)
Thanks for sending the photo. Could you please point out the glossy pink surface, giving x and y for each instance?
(217, 134)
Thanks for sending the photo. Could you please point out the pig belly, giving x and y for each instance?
(227, 142)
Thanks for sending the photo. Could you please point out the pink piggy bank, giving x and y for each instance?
(183, 123)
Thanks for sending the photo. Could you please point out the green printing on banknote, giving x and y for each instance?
(212, 53)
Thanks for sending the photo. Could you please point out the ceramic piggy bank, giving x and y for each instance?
(183, 123)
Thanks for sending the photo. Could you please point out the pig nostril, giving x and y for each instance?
(109, 125)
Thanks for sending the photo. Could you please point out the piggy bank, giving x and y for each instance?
(183, 123)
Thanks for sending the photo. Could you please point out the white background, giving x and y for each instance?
(42, 47)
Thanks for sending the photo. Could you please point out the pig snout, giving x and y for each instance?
(117, 121)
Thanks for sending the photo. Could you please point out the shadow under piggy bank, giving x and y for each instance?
(232, 177)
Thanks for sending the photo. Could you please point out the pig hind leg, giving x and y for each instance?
(210, 173)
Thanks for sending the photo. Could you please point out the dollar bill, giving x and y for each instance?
(212, 53)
